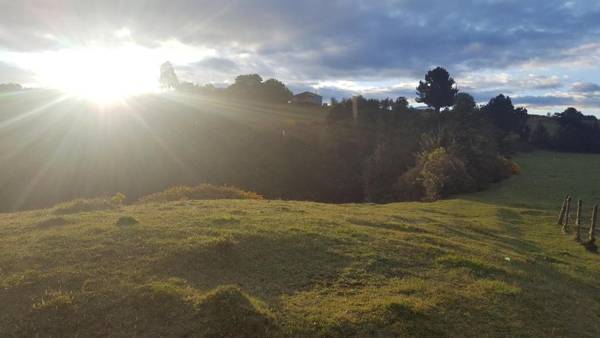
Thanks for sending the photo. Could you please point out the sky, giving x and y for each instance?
(545, 54)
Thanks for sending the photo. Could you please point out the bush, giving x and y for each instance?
(442, 174)
(118, 198)
(201, 192)
(381, 170)
(508, 167)
(410, 186)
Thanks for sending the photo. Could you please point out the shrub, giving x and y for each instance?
(508, 167)
(410, 186)
(118, 198)
(442, 174)
(200, 192)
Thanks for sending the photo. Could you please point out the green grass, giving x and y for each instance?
(491, 264)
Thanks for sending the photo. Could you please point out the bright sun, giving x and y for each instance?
(99, 74)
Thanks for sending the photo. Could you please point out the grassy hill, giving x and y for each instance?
(492, 264)
(55, 148)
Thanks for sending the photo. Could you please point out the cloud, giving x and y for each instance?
(216, 64)
(13, 74)
(312, 41)
(544, 100)
(209, 70)
(541, 82)
(560, 100)
(586, 87)
(403, 37)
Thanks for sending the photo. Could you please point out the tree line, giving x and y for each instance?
(426, 154)
(575, 133)
(382, 150)
(245, 87)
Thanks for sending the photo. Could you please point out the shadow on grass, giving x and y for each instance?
(266, 266)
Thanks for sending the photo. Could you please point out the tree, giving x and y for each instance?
(276, 92)
(464, 103)
(168, 78)
(505, 117)
(573, 134)
(438, 90)
(400, 105)
(247, 87)
(250, 80)
(570, 117)
(540, 136)
(10, 87)
(340, 111)
(442, 174)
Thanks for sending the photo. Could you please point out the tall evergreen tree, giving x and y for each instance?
(438, 90)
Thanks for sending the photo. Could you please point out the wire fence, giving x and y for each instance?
(583, 228)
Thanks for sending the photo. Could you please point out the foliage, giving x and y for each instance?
(10, 87)
(200, 192)
(245, 135)
(575, 133)
(540, 136)
(383, 167)
(506, 117)
(570, 117)
(438, 90)
(118, 198)
(275, 91)
(442, 174)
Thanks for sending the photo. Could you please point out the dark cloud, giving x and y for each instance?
(586, 87)
(310, 40)
(545, 100)
(559, 100)
(403, 37)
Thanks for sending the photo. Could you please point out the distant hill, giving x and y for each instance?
(492, 264)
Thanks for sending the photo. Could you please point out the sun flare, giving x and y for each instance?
(99, 74)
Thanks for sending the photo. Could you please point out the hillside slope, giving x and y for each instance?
(55, 148)
(492, 264)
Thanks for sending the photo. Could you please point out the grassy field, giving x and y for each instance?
(492, 264)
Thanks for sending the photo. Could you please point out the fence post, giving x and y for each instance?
(578, 221)
(567, 213)
(591, 236)
(561, 216)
